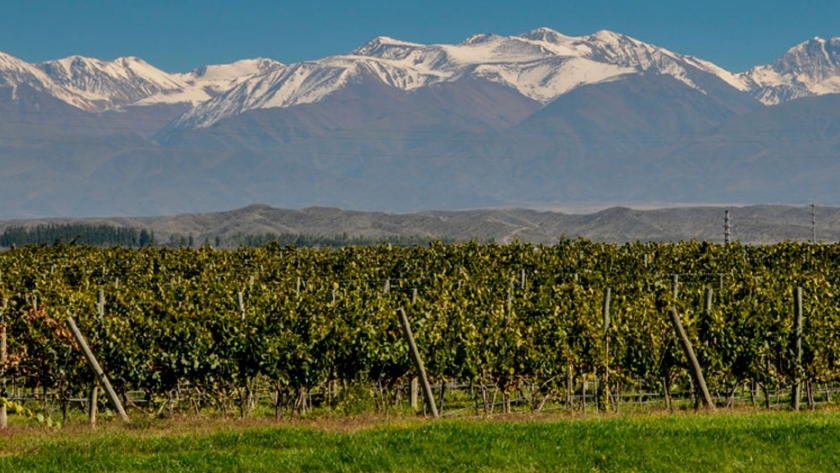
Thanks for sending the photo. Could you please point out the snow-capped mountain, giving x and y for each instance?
(110, 84)
(206, 82)
(219, 78)
(541, 64)
(94, 85)
(808, 69)
(15, 73)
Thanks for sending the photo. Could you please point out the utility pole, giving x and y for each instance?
(813, 223)
(726, 229)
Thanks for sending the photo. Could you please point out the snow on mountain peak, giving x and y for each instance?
(608, 36)
(548, 35)
(386, 47)
(221, 77)
(109, 84)
(206, 82)
(807, 69)
(15, 72)
(232, 71)
(97, 85)
(481, 38)
(541, 64)
(817, 57)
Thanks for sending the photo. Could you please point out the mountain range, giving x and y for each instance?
(495, 121)
(756, 224)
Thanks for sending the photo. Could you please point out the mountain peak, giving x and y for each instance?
(211, 80)
(129, 60)
(546, 34)
(542, 30)
(385, 47)
(480, 38)
(67, 62)
(109, 84)
(807, 69)
(541, 64)
(234, 70)
(78, 60)
(816, 57)
(607, 36)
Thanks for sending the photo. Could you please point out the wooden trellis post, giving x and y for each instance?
(100, 375)
(796, 393)
(696, 372)
(418, 362)
(603, 396)
(100, 302)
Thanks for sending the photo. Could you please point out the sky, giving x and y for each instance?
(180, 35)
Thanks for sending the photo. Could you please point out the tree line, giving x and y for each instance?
(104, 235)
(94, 235)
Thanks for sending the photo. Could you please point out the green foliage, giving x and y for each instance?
(357, 398)
(327, 241)
(19, 409)
(318, 315)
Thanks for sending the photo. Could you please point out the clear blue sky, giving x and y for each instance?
(179, 35)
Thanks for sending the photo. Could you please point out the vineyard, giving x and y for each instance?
(509, 327)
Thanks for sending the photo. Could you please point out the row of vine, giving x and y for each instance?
(482, 314)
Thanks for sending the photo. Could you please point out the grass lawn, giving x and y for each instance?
(745, 441)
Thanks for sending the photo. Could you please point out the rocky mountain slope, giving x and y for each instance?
(541, 64)
(806, 70)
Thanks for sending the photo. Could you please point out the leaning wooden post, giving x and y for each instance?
(4, 420)
(418, 362)
(707, 313)
(795, 394)
(696, 372)
(100, 375)
(414, 386)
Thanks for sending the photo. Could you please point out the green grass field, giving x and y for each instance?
(750, 441)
